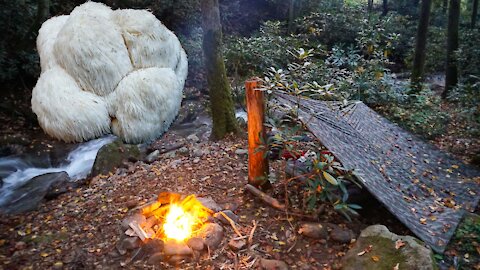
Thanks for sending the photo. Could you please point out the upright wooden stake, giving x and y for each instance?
(257, 160)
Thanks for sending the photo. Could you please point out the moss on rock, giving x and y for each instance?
(112, 156)
(412, 255)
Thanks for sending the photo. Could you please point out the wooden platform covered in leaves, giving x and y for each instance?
(426, 189)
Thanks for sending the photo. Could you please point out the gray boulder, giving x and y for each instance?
(413, 255)
(28, 196)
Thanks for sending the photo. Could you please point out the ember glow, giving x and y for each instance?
(178, 223)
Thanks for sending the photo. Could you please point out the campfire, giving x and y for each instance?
(172, 228)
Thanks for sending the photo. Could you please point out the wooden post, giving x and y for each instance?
(257, 160)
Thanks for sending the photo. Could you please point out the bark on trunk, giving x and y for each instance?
(385, 7)
(451, 77)
(421, 43)
(370, 5)
(291, 16)
(474, 13)
(221, 102)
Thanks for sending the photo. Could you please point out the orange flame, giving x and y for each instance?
(184, 218)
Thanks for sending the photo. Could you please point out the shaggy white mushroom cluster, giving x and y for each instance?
(108, 71)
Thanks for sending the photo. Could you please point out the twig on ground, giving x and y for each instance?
(250, 238)
(232, 223)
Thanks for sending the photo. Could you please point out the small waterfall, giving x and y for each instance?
(16, 172)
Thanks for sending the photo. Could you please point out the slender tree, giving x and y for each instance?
(385, 7)
(451, 76)
(474, 13)
(291, 16)
(420, 47)
(370, 5)
(221, 102)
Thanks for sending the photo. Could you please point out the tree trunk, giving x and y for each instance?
(445, 6)
(370, 5)
(221, 102)
(451, 77)
(421, 43)
(385, 7)
(474, 13)
(291, 16)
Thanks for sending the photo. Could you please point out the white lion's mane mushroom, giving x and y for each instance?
(108, 71)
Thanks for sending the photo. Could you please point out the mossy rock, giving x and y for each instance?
(414, 255)
(112, 156)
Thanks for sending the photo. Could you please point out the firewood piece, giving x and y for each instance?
(232, 223)
(257, 163)
(264, 197)
(138, 230)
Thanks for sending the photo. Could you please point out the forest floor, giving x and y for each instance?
(81, 229)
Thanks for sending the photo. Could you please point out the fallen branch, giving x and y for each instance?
(250, 238)
(232, 223)
(264, 197)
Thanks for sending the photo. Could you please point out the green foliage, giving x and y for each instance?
(17, 61)
(325, 180)
(247, 56)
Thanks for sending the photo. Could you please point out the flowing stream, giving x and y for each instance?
(15, 172)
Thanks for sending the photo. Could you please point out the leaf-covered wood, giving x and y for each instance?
(425, 188)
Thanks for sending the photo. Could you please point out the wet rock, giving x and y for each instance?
(172, 248)
(212, 234)
(113, 155)
(138, 218)
(193, 138)
(156, 258)
(237, 245)
(314, 230)
(343, 236)
(28, 196)
(241, 152)
(229, 214)
(152, 156)
(196, 243)
(273, 265)
(209, 203)
(413, 255)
